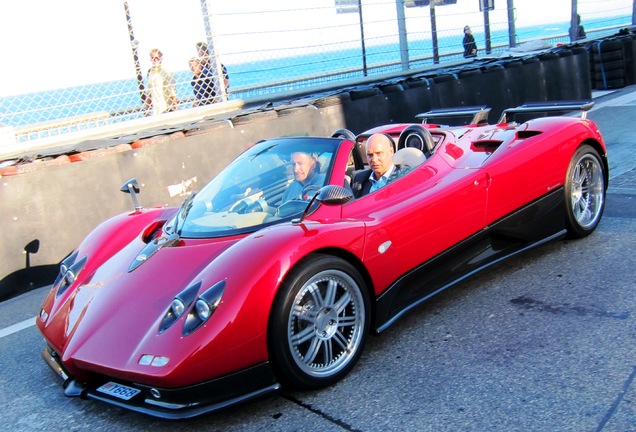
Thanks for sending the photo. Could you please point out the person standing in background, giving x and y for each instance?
(202, 85)
(162, 95)
(470, 47)
(206, 64)
(580, 31)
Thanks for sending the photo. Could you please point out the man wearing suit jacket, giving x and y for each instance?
(380, 158)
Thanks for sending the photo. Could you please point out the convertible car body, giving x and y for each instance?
(175, 312)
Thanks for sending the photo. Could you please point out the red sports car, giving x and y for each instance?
(262, 279)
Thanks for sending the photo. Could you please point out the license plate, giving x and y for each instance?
(119, 391)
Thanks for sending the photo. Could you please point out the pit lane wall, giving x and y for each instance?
(49, 205)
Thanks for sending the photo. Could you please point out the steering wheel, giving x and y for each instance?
(309, 191)
(246, 205)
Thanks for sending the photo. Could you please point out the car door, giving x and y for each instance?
(523, 170)
(417, 217)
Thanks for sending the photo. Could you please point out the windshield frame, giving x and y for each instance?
(257, 198)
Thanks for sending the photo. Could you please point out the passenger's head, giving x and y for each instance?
(467, 30)
(379, 154)
(303, 165)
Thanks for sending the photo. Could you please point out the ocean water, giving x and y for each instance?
(120, 98)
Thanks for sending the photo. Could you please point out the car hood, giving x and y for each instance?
(115, 312)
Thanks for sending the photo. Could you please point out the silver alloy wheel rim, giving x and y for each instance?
(326, 322)
(587, 191)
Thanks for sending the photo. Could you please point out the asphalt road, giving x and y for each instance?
(545, 341)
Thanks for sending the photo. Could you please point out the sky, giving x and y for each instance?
(51, 44)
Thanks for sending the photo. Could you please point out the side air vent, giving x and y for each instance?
(487, 143)
(527, 134)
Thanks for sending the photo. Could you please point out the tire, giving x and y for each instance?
(319, 323)
(609, 75)
(584, 192)
(610, 84)
(608, 66)
(607, 45)
(607, 56)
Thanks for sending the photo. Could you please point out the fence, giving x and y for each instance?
(87, 64)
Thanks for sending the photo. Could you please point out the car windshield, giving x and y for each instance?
(270, 182)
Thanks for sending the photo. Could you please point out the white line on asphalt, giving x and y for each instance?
(17, 327)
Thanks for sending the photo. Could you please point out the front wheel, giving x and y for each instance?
(584, 192)
(319, 322)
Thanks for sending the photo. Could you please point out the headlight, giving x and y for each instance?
(178, 306)
(64, 265)
(69, 270)
(203, 310)
(204, 307)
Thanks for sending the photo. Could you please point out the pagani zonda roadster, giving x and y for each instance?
(175, 312)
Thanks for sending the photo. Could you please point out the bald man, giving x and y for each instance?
(379, 149)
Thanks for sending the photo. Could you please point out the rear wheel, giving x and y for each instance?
(319, 322)
(584, 191)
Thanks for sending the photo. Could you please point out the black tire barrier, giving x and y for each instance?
(493, 89)
(552, 71)
(611, 84)
(368, 108)
(607, 56)
(420, 97)
(609, 75)
(410, 83)
(471, 86)
(332, 100)
(607, 67)
(446, 91)
(405, 103)
(567, 72)
(364, 93)
(534, 89)
(606, 45)
(257, 116)
(514, 85)
(419, 93)
(580, 73)
(629, 51)
(391, 88)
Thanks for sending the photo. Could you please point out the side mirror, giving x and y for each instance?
(328, 195)
(132, 187)
(333, 195)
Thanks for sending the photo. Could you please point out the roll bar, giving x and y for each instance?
(479, 113)
(559, 106)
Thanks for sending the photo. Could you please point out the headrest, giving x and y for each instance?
(408, 157)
